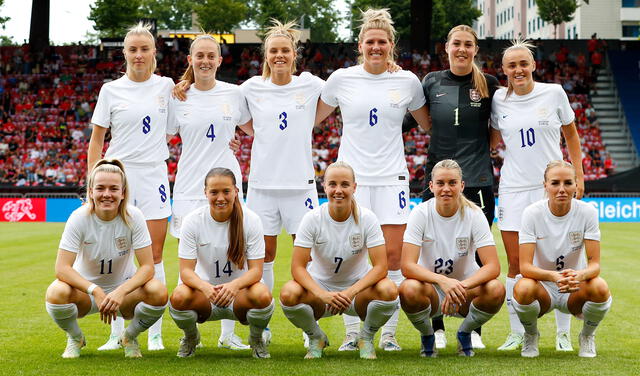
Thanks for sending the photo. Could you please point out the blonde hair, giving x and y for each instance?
(518, 44)
(354, 204)
(112, 166)
(142, 29)
(188, 74)
(558, 163)
(378, 19)
(236, 250)
(450, 164)
(277, 29)
(478, 79)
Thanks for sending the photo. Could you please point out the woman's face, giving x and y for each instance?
(205, 59)
(560, 184)
(107, 193)
(221, 194)
(375, 47)
(280, 55)
(139, 52)
(339, 186)
(446, 185)
(461, 50)
(518, 66)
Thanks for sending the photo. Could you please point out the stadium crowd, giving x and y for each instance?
(47, 102)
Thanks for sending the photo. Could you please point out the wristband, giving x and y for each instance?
(91, 288)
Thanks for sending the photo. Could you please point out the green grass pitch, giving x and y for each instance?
(31, 344)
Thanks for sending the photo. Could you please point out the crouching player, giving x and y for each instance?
(555, 235)
(336, 240)
(95, 270)
(221, 255)
(438, 260)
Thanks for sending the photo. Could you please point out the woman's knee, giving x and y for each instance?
(59, 292)
(290, 293)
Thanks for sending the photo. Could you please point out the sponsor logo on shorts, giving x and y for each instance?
(575, 237)
(474, 95)
(356, 243)
(500, 213)
(122, 243)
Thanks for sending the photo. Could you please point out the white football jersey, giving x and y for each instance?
(338, 249)
(105, 249)
(559, 240)
(530, 127)
(206, 122)
(373, 107)
(136, 113)
(205, 240)
(448, 244)
(283, 119)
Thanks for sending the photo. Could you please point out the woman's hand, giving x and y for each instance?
(337, 301)
(109, 305)
(392, 67)
(569, 281)
(226, 293)
(180, 90)
(455, 294)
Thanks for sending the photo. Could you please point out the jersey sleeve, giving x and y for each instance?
(330, 90)
(72, 236)
(417, 94)
(427, 83)
(173, 126)
(188, 247)
(306, 233)
(373, 231)
(494, 110)
(480, 231)
(254, 239)
(140, 237)
(565, 112)
(527, 233)
(414, 234)
(102, 111)
(243, 107)
(592, 227)
(493, 84)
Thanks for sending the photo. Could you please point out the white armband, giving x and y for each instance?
(91, 288)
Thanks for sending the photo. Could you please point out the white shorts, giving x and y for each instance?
(559, 300)
(438, 311)
(222, 313)
(281, 207)
(351, 311)
(179, 210)
(512, 204)
(390, 203)
(149, 190)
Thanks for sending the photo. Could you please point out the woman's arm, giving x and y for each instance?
(490, 267)
(96, 143)
(495, 138)
(228, 291)
(378, 257)
(247, 127)
(67, 274)
(322, 111)
(575, 153)
(528, 270)
(422, 117)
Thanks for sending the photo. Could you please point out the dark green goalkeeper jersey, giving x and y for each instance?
(460, 125)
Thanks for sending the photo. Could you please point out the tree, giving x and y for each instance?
(556, 12)
(450, 13)
(170, 14)
(400, 12)
(3, 20)
(113, 17)
(219, 15)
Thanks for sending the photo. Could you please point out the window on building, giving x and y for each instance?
(575, 32)
(630, 31)
(538, 23)
(630, 3)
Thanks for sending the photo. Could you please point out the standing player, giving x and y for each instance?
(206, 122)
(134, 108)
(334, 240)
(529, 116)
(554, 237)
(221, 254)
(95, 270)
(373, 103)
(459, 102)
(438, 258)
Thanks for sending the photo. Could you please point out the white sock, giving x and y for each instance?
(378, 313)
(391, 325)
(117, 327)
(185, 320)
(422, 321)
(351, 324)
(226, 328)
(514, 321)
(594, 313)
(267, 275)
(258, 319)
(156, 329)
(144, 315)
(301, 315)
(66, 316)
(475, 318)
(528, 315)
(563, 322)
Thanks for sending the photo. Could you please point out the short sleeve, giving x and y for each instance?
(373, 232)
(494, 112)
(102, 111)
(592, 227)
(188, 247)
(173, 126)
(527, 233)
(565, 112)
(243, 108)
(306, 233)
(73, 234)
(417, 94)
(414, 233)
(140, 237)
(254, 238)
(330, 90)
(481, 233)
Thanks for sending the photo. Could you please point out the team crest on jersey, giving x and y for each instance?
(462, 244)
(575, 237)
(474, 95)
(394, 97)
(300, 99)
(162, 104)
(356, 243)
(121, 243)
(226, 111)
(543, 112)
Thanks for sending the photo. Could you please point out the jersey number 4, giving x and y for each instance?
(226, 269)
(211, 132)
